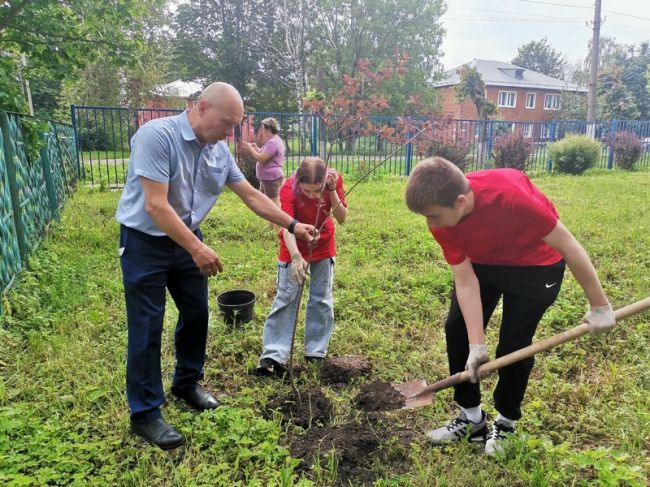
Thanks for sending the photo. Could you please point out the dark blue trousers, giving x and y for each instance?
(150, 266)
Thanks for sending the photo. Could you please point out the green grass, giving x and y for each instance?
(102, 155)
(63, 414)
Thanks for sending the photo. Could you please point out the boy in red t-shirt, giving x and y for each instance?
(301, 198)
(502, 237)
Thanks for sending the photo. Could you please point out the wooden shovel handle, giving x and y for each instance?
(530, 350)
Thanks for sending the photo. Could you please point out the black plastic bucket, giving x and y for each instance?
(237, 307)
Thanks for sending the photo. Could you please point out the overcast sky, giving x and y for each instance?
(494, 29)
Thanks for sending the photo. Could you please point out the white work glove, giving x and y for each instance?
(477, 355)
(298, 268)
(600, 319)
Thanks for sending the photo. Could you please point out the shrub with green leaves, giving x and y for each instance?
(450, 148)
(627, 149)
(574, 154)
(512, 150)
(247, 163)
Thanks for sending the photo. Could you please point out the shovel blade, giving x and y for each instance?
(410, 390)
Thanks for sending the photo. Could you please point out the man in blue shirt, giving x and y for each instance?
(178, 168)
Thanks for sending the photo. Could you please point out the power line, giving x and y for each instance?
(514, 13)
(557, 4)
(571, 5)
(627, 15)
(514, 19)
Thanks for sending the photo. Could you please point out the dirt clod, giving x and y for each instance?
(341, 370)
(315, 408)
(379, 396)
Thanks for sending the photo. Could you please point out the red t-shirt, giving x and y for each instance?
(506, 226)
(304, 210)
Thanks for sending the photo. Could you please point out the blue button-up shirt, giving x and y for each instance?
(167, 150)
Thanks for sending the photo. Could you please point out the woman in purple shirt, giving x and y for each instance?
(270, 158)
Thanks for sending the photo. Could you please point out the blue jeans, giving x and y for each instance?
(150, 266)
(320, 312)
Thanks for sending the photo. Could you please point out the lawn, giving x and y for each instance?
(63, 414)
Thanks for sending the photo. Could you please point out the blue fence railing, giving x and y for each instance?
(103, 135)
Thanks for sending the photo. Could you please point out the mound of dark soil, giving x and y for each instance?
(379, 396)
(356, 447)
(315, 408)
(341, 370)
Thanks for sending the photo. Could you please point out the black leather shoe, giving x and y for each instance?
(198, 398)
(158, 433)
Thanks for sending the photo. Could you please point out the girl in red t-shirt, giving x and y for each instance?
(301, 198)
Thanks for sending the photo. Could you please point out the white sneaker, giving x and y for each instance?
(500, 432)
(460, 428)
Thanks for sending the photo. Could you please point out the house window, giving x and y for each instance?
(507, 99)
(528, 129)
(530, 100)
(551, 102)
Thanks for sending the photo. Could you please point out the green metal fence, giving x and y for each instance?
(32, 190)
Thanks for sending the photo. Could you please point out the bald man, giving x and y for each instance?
(178, 168)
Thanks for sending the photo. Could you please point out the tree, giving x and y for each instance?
(154, 66)
(61, 38)
(286, 53)
(222, 39)
(574, 106)
(622, 82)
(285, 48)
(616, 99)
(472, 86)
(541, 57)
(376, 30)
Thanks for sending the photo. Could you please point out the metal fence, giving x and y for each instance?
(31, 191)
(103, 135)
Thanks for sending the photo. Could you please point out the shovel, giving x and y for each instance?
(420, 393)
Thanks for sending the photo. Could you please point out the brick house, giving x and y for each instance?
(173, 96)
(521, 95)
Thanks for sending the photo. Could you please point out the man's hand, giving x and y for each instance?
(305, 232)
(298, 268)
(600, 319)
(477, 355)
(207, 261)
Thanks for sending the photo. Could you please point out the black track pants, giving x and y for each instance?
(527, 293)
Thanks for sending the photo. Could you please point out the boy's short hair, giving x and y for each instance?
(435, 181)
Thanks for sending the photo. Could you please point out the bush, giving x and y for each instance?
(453, 150)
(627, 149)
(243, 158)
(574, 154)
(92, 138)
(512, 150)
(247, 165)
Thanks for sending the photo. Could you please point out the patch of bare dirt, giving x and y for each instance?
(341, 370)
(379, 396)
(313, 409)
(356, 447)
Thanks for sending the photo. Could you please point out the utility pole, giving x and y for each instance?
(593, 77)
